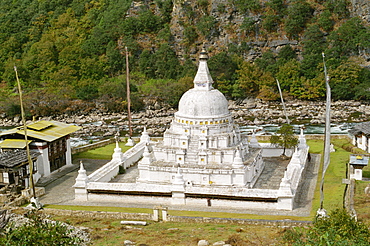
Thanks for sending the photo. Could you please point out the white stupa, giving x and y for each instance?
(203, 142)
(203, 160)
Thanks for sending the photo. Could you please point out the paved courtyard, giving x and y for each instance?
(59, 188)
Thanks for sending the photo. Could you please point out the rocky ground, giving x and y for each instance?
(246, 112)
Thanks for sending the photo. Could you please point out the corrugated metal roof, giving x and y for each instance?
(54, 131)
(14, 144)
(40, 125)
(13, 158)
(8, 132)
(362, 128)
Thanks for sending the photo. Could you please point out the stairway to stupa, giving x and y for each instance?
(192, 151)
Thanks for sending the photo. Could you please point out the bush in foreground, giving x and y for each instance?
(339, 228)
(33, 229)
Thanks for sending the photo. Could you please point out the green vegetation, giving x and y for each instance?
(103, 153)
(284, 138)
(362, 200)
(70, 53)
(340, 228)
(179, 212)
(38, 231)
(110, 232)
(333, 186)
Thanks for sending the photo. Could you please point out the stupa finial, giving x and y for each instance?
(203, 54)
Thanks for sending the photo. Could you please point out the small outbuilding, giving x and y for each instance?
(49, 139)
(361, 136)
(14, 168)
(357, 163)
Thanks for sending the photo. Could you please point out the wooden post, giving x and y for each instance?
(30, 163)
(128, 94)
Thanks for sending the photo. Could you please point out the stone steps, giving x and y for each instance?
(192, 152)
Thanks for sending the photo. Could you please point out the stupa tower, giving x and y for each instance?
(203, 141)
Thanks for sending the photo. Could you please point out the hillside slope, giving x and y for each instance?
(70, 54)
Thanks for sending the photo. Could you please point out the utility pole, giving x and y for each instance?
(282, 101)
(30, 163)
(327, 138)
(130, 142)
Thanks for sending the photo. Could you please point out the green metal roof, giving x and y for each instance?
(49, 130)
(14, 144)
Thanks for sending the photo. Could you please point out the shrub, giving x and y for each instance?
(338, 227)
(38, 231)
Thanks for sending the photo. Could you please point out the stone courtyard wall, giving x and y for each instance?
(170, 218)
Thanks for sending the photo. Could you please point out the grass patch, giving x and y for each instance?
(179, 212)
(110, 232)
(235, 215)
(103, 153)
(100, 208)
(333, 187)
(362, 201)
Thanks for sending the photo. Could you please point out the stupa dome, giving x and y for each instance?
(203, 101)
(203, 104)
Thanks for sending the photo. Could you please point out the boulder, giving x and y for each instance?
(203, 243)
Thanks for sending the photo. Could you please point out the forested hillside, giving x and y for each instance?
(70, 54)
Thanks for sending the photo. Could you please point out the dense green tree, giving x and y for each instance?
(207, 26)
(314, 45)
(267, 62)
(325, 21)
(286, 53)
(165, 7)
(249, 78)
(166, 64)
(146, 64)
(222, 66)
(362, 90)
(166, 90)
(270, 22)
(344, 80)
(190, 34)
(299, 13)
(149, 22)
(278, 6)
(71, 48)
(289, 75)
(247, 5)
(351, 38)
(284, 138)
(338, 7)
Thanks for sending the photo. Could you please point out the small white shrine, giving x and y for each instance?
(203, 142)
(203, 160)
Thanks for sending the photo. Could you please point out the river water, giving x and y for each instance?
(268, 129)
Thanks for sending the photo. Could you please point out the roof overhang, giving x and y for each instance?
(14, 144)
(44, 130)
